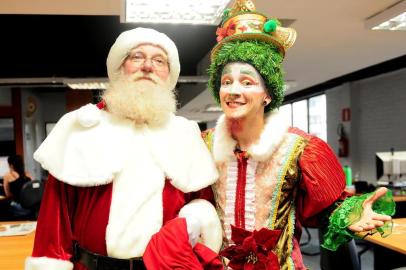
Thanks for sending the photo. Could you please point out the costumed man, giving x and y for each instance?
(121, 172)
(273, 178)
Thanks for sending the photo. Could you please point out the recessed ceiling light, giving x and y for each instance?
(207, 12)
(393, 18)
(103, 83)
(88, 86)
(86, 83)
(193, 79)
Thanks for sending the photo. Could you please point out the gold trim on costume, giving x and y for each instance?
(244, 23)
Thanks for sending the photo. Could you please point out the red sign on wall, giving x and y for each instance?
(346, 114)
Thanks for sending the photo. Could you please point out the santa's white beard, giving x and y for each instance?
(143, 101)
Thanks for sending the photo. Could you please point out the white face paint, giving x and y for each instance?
(241, 77)
(242, 90)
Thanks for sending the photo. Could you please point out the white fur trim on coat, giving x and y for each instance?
(83, 156)
(93, 156)
(45, 263)
(181, 152)
(130, 39)
(137, 159)
(89, 115)
(205, 213)
(274, 130)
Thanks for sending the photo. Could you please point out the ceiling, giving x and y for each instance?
(71, 38)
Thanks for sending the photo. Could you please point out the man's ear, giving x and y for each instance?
(267, 100)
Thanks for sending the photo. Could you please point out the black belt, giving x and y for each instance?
(94, 261)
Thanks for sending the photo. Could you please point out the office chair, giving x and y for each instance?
(31, 195)
(346, 256)
(307, 247)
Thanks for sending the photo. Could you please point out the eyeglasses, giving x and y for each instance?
(158, 62)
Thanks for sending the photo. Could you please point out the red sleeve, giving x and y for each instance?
(173, 200)
(53, 237)
(205, 193)
(322, 183)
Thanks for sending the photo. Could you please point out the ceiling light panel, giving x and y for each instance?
(396, 23)
(206, 12)
(393, 18)
(88, 86)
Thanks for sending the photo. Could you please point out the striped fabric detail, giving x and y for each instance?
(229, 216)
(250, 195)
(281, 176)
(291, 232)
(231, 189)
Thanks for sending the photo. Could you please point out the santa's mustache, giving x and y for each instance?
(147, 76)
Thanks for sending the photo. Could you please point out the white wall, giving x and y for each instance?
(378, 119)
(379, 113)
(337, 99)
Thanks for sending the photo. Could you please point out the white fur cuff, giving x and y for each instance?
(88, 115)
(45, 263)
(211, 231)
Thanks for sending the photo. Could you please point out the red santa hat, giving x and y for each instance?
(130, 39)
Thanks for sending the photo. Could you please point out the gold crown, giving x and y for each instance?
(243, 22)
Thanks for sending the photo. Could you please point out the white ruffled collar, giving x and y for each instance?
(274, 130)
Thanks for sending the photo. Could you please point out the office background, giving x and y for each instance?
(45, 44)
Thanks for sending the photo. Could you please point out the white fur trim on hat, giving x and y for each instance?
(130, 39)
(205, 213)
(45, 263)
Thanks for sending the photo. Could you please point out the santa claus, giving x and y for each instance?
(120, 172)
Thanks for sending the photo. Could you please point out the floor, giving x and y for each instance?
(313, 262)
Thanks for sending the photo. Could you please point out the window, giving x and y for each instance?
(286, 112)
(300, 117)
(308, 115)
(7, 137)
(317, 117)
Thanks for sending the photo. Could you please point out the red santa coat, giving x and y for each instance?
(106, 188)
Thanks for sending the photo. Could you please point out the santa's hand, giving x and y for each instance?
(369, 219)
(203, 223)
(193, 226)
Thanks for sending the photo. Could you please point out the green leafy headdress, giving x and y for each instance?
(248, 36)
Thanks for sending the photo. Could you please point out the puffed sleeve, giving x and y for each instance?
(322, 182)
(53, 237)
(322, 200)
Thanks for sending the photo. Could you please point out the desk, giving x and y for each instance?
(390, 252)
(396, 241)
(14, 250)
(399, 198)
